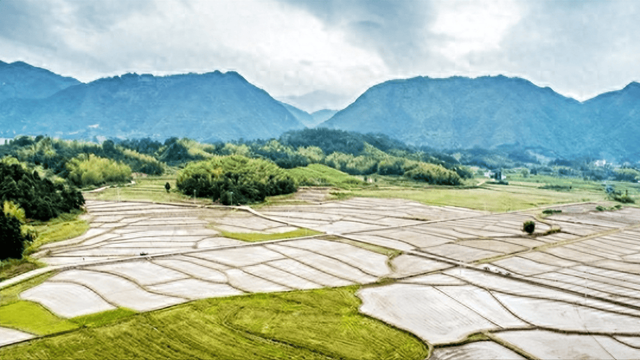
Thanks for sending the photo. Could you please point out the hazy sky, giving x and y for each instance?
(291, 47)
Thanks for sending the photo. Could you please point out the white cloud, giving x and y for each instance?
(291, 47)
(472, 26)
(284, 50)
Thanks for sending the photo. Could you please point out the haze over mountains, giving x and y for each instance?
(457, 112)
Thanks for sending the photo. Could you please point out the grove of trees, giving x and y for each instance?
(234, 180)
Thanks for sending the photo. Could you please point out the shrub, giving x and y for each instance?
(625, 199)
(552, 231)
(529, 227)
(556, 187)
(551, 211)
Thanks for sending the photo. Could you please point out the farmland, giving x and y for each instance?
(357, 276)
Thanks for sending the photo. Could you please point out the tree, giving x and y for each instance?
(529, 227)
(11, 238)
(167, 187)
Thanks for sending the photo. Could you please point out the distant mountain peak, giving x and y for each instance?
(19, 80)
(632, 85)
(21, 64)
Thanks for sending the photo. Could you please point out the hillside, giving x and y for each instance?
(310, 120)
(464, 113)
(489, 112)
(23, 81)
(208, 107)
(321, 116)
(615, 116)
(301, 115)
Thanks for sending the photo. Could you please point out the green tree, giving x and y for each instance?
(529, 227)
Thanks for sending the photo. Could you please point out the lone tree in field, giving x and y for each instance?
(167, 187)
(529, 227)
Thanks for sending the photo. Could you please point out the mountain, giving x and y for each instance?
(323, 115)
(488, 112)
(302, 116)
(206, 107)
(616, 117)
(310, 120)
(21, 80)
(317, 100)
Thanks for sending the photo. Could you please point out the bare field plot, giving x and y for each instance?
(554, 346)
(475, 351)
(424, 311)
(11, 336)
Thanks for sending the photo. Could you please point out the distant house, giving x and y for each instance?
(488, 174)
(600, 163)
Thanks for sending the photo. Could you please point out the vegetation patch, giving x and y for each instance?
(33, 318)
(390, 253)
(88, 170)
(257, 237)
(610, 208)
(66, 226)
(322, 175)
(103, 318)
(551, 211)
(316, 324)
(557, 187)
(529, 227)
(40, 198)
(13, 267)
(234, 180)
(552, 231)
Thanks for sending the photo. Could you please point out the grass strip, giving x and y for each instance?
(257, 237)
(33, 318)
(66, 226)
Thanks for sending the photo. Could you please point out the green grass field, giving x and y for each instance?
(495, 198)
(322, 175)
(257, 237)
(148, 189)
(318, 324)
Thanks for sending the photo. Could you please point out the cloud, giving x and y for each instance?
(293, 47)
(285, 52)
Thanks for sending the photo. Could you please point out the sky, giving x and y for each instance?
(334, 49)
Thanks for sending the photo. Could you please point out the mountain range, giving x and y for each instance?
(20, 80)
(450, 113)
(498, 111)
(207, 107)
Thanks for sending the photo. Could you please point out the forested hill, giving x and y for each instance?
(208, 107)
(615, 118)
(489, 112)
(23, 81)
